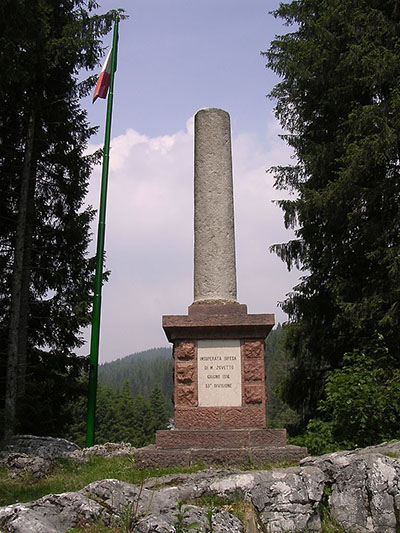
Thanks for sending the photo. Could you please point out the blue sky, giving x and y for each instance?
(175, 57)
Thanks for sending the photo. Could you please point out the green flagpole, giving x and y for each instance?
(95, 335)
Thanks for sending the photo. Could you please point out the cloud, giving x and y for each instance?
(149, 233)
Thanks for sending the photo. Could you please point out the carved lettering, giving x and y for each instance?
(219, 383)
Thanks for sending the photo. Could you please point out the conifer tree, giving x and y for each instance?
(44, 232)
(158, 408)
(143, 425)
(124, 423)
(339, 102)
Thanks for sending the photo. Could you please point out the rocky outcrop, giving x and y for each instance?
(359, 490)
(28, 455)
(45, 447)
(19, 465)
(363, 490)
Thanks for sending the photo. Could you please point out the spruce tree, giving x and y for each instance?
(158, 408)
(339, 102)
(143, 425)
(44, 232)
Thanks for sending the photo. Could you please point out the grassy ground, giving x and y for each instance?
(69, 476)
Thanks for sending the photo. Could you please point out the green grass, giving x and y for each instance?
(393, 455)
(69, 476)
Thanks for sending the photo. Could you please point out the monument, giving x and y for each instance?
(218, 348)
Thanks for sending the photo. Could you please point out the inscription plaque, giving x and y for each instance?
(219, 372)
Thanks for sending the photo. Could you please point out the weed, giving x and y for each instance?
(179, 524)
(232, 504)
(393, 455)
(210, 514)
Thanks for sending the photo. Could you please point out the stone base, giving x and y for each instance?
(234, 438)
(154, 456)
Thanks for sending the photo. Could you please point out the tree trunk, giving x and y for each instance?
(16, 356)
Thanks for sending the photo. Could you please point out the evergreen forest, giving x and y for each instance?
(134, 399)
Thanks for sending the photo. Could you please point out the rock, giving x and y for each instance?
(288, 499)
(36, 455)
(45, 447)
(391, 448)
(19, 465)
(52, 514)
(360, 490)
(109, 449)
(364, 489)
(30, 455)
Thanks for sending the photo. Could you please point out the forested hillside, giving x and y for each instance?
(141, 371)
(134, 399)
(277, 366)
(144, 370)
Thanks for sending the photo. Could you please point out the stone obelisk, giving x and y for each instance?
(218, 348)
(214, 230)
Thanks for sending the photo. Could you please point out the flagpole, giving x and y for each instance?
(98, 280)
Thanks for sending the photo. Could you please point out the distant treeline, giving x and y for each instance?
(142, 371)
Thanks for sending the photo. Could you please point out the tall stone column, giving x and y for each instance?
(214, 233)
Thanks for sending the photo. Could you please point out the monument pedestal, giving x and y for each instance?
(219, 375)
(219, 391)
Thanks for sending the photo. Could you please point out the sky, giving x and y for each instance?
(174, 58)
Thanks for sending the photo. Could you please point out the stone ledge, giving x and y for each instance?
(236, 438)
(154, 456)
(216, 321)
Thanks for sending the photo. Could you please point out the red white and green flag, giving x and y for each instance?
(103, 82)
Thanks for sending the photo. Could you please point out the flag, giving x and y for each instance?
(103, 82)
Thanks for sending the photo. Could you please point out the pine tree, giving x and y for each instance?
(158, 408)
(46, 274)
(143, 424)
(124, 416)
(339, 101)
(277, 365)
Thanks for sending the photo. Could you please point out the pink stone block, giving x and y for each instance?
(184, 350)
(196, 418)
(254, 394)
(253, 370)
(184, 373)
(253, 349)
(243, 417)
(267, 437)
(185, 395)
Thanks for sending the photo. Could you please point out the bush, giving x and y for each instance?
(318, 439)
(362, 399)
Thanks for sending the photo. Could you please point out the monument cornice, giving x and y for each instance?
(213, 321)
